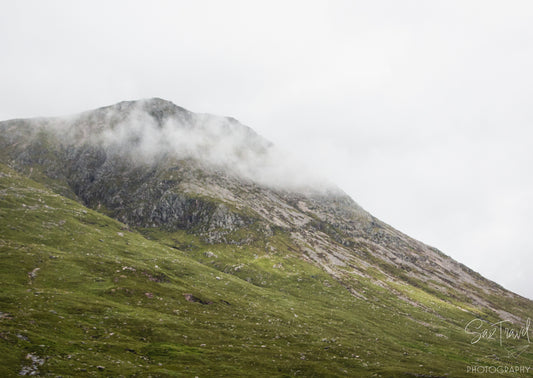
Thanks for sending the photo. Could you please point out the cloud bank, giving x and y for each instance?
(147, 130)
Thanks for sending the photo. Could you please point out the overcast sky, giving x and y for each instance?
(420, 110)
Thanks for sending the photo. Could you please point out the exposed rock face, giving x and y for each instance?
(124, 161)
(141, 190)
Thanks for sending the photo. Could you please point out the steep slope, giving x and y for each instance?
(209, 193)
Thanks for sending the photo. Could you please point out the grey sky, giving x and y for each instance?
(420, 110)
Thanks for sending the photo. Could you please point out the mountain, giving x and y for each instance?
(144, 239)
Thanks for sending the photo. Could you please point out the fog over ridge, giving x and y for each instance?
(147, 129)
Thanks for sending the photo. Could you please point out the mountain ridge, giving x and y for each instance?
(183, 195)
(162, 110)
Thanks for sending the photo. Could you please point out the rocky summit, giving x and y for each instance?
(141, 239)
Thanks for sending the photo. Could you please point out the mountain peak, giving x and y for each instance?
(159, 109)
(213, 217)
(147, 129)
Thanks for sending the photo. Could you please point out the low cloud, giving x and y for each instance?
(148, 129)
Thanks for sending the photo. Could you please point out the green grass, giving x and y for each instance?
(82, 290)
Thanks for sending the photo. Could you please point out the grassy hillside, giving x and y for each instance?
(83, 295)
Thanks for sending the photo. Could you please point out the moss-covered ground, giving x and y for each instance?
(83, 295)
